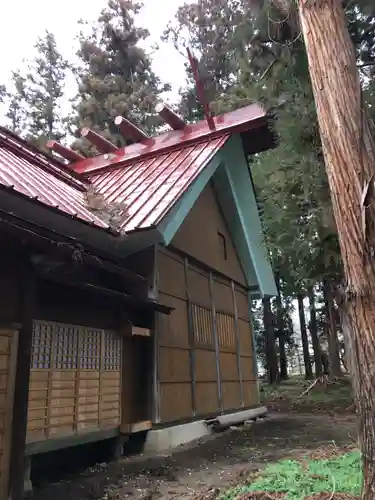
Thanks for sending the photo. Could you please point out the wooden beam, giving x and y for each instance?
(216, 343)
(143, 332)
(65, 152)
(170, 117)
(128, 378)
(27, 286)
(237, 337)
(101, 144)
(191, 336)
(130, 131)
(156, 370)
(141, 426)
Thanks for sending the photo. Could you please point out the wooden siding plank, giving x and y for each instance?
(216, 343)
(191, 335)
(235, 309)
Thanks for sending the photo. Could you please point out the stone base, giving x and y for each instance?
(158, 440)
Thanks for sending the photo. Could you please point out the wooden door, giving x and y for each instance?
(8, 364)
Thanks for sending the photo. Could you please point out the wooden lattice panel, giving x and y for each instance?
(226, 331)
(75, 380)
(202, 325)
(41, 345)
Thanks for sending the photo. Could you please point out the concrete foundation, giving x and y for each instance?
(164, 439)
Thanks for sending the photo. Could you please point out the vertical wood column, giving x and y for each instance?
(156, 371)
(27, 286)
(127, 376)
(237, 336)
(216, 342)
(191, 340)
(253, 340)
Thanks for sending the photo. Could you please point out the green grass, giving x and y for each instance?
(299, 479)
(336, 393)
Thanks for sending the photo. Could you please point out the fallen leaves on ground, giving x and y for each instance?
(330, 451)
(262, 495)
(330, 496)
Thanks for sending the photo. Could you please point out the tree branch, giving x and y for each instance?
(366, 65)
(267, 70)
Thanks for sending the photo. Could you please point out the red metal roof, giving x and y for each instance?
(38, 184)
(146, 178)
(150, 187)
(241, 120)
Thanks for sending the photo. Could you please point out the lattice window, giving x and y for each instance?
(225, 330)
(62, 346)
(202, 324)
(90, 348)
(65, 346)
(41, 345)
(112, 351)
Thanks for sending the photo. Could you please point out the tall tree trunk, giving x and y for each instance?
(271, 355)
(305, 341)
(281, 334)
(325, 363)
(349, 153)
(333, 341)
(314, 335)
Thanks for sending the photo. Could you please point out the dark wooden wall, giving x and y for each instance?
(205, 355)
(198, 237)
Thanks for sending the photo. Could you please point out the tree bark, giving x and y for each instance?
(349, 153)
(271, 355)
(305, 341)
(314, 335)
(281, 332)
(333, 341)
(325, 363)
(281, 335)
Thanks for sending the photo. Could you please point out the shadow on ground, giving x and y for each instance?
(205, 468)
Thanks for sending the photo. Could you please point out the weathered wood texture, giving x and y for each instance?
(209, 368)
(203, 235)
(8, 362)
(348, 143)
(75, 380)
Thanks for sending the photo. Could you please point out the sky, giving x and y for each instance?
(31, 19)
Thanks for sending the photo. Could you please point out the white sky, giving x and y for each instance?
(23, 21)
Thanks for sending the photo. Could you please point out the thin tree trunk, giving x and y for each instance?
(305, 341)
(271, 355)
(325, 363)
(314, 335)
(349, 153)
(333, 341)
(281, 334)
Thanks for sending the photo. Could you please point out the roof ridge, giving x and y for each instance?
(21, 147)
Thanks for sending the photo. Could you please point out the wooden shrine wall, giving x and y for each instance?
(205, 358)
(205, 236)
(75, 380)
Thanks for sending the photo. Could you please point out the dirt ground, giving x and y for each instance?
(206, 468)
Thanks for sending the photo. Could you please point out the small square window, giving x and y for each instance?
(223, 245)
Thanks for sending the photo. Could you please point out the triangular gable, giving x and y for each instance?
(231, 178)
(204, 235)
